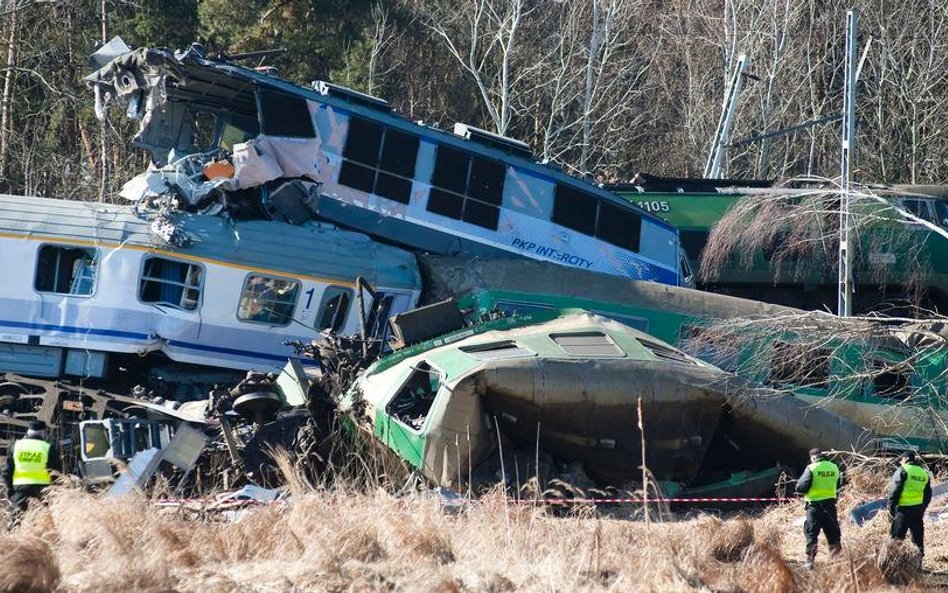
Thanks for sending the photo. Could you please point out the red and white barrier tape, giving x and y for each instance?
(650, 500)
(173, 501)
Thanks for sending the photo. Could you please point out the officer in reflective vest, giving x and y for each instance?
(818, 485)
(27, 471)
(910, 491)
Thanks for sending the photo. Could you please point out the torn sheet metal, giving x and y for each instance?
(136, 475)
(185, 447)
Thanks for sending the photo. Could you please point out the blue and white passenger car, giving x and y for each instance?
(413, 185)
(87, 281)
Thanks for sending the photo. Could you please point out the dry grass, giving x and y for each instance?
(345, 540)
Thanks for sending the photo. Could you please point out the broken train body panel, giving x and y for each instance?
(379, 173)
(574, 381)
(883, 383)
(84, 279)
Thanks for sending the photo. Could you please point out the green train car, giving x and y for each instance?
(882, 381)
(899, 265)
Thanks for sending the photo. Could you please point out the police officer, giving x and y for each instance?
(818, 485)
(26, 473)
(910, 491)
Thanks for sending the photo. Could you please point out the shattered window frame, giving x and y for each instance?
(426, 368)
(335, 323)
(376, 173)
(203, 140)
(257, 307)
(186, 285)
(476, 197)
(76, 276)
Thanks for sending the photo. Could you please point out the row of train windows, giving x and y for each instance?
(381, 160)
(263, 299)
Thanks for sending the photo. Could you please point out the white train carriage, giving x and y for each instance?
(84, 280)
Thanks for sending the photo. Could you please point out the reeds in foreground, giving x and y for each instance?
(366, 539)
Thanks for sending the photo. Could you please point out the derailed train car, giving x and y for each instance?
(886, 377)
(571, 384)
(91, 288)
(270, 147)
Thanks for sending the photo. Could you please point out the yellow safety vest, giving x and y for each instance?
(825, 478)
(913, 491)
(30, 457)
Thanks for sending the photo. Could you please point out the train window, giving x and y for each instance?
(800, 364)
(378, 160)
(665, 352)
(890, 380)
(284, 115)
(268, 300)
(66, 270)
(413, 401)
(445, 203)
(238, 130)
(619, 226)
(363, 141)
(482, 215)
(487, 181)
(575, 209)
(919, 208)
(451, 169)
(203, 127)
(941, 213)
(399, 153)
(172, 283)
(334, 308)
(587, 344)
(466, 187)
(96, 440)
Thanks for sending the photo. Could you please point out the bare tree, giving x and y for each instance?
(483, 37)
(9, 78)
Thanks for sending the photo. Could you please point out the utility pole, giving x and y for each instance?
(845, 305)
(105, 170)
(712, 170)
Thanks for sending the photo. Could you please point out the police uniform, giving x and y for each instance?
(910, 491)
(27, 471)
(818, 485)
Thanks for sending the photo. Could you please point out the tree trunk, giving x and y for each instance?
(9, 80)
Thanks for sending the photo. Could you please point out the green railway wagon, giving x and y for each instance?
(880, 380)
(896, 260)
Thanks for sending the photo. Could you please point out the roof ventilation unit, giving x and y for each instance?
(346, 94)
(509, 145)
